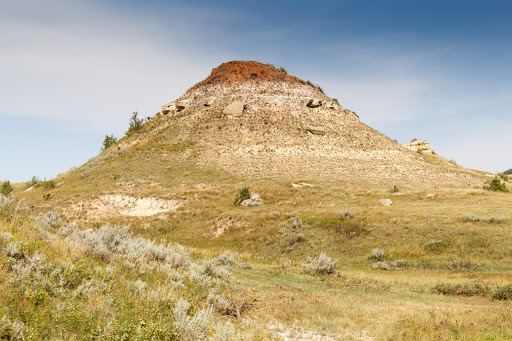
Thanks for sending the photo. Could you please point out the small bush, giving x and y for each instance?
(377, 254)
(394, 265)
(6, 188)
(495, 185)
(460, 265)
(12, 330)
(347, 215)
(436, 246)
(473, 218)
(32, 182)
(7, 204)
(50, 221)
(135, 123)
(296, 222)
(109, 140)
(503, 293)
(244, 194)
(192, 327)
(321, 265)
(394, 189)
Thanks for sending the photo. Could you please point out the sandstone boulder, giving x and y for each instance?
(254, 201)
(314, 103)
(169, 107)
(315, 130)
(181, 105)
(236, 108)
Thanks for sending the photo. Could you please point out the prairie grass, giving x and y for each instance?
(425, 227)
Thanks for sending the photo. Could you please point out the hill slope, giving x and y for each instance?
(255, 121)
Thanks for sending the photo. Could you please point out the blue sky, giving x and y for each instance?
(72, 71)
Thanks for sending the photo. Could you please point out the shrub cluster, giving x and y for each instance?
(321, 265)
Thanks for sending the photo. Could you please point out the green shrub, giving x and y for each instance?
(508, 172)
(394, 189)
(109, 140)
(495, 185)
(6, 188)
(242, 195)
(135, 123)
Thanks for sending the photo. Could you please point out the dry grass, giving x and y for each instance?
(356, 303)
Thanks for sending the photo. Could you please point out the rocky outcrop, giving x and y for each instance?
(169, 107)
(236, 109)
(254, 201)
(315, 130)
(314, 103)
(181, 105)
(419, 146)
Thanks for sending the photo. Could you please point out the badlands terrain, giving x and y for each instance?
(351, 236)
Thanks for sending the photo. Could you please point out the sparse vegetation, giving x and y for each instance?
(32, 182)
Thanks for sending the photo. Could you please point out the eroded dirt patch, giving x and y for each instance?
(133, 207)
